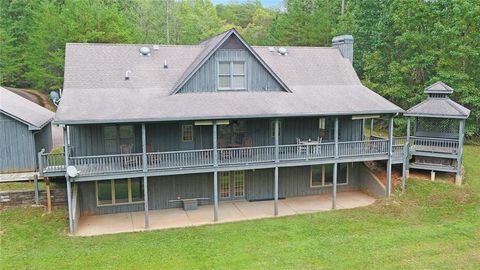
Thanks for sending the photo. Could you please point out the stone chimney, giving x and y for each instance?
(345, 45)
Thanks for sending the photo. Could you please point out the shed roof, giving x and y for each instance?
(321, 82)
(23, 110)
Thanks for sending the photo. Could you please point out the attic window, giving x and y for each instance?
(231, 75)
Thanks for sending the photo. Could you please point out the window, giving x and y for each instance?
(115, 136)
(187, 133)
(272, 128)
(322, 175)
(120, 191)
(321, 123)
(231, 75)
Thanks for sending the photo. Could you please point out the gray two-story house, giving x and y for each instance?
(154, 126)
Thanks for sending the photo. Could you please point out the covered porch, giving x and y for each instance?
(228, 212)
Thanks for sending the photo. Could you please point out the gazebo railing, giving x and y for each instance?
(434, 145)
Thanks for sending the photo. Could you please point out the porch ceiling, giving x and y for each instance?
(228, 212)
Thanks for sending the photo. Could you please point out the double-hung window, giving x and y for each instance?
(120, 191)
(231, 75)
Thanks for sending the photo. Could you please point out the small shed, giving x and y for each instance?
(25, 128)
(438, 133)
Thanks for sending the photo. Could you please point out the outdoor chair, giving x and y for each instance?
(128, 161)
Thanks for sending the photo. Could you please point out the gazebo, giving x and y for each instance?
(438, 132)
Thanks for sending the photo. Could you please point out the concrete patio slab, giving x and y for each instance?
(228, 212)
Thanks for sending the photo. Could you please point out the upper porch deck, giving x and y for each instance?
(206, 160)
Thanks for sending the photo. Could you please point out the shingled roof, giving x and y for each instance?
(23, 110)
(320, 82)
(442, 107)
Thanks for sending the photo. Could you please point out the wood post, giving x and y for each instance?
(215, 195)
(277, 160)
(406, 153)
(461, 135)
(145, 198)
(371, 128)
(215, 173)
(49, 198)
(389, 161)
(35, 186)
(67, 178)
(145, 178)
(335, 167)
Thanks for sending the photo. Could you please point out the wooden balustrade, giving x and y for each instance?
(96, 165)
(362, 148)
(180, 159)
(434, 145)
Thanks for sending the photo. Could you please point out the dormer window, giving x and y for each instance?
(231, 75)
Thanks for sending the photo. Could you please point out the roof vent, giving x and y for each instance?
(271, 49)
(165, 64)
(144, 51)
(156, 47)
(127, 75)
(282, 51)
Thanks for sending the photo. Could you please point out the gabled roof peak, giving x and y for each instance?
(211, 46)
(439, 88)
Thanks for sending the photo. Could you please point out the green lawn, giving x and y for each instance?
(432, 226)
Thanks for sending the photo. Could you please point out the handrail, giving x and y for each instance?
(101, 164)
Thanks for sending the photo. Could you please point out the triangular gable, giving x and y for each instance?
(439, 87)
(230, 39)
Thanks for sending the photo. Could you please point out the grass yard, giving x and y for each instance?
(432, 226)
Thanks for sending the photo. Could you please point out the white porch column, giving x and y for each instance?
(389, 161)
(335, 167)
(145, 169)
(215, 172)
(461, 135)
(67, 178)
(277, 160)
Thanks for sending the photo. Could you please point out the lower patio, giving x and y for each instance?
(228, 212)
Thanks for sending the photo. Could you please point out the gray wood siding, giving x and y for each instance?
(17, 146)
(89, 139)
(205, 79)
(293, 181)
(43, 139)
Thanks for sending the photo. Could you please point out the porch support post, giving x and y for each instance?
(389, 161)
(67, 179)
(406, 153)
(145, 179)
(215, 173)
(277, 160)
(371, 128)
(335, 167)
(461, 135)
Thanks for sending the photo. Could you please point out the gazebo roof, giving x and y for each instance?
(441, 107)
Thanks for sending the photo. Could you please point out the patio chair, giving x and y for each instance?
(152, 159)
(222, 145)
(247, 142)
(128, 161)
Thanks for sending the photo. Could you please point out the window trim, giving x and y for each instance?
(112, 187)
(323, 176)
(232, 75)
(182, 133)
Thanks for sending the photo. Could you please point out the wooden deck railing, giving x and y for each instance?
(105, 164)
(434, 145)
